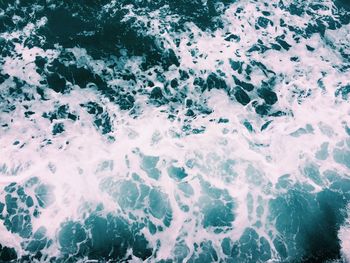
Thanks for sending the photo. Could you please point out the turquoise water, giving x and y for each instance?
(174, 131)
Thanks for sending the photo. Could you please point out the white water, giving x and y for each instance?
(77, 162)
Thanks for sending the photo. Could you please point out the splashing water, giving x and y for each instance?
(174, 131)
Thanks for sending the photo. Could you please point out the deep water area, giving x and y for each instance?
(175, 131)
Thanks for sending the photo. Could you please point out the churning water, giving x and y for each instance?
(174, 131)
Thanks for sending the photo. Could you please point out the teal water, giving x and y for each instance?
(174, 131)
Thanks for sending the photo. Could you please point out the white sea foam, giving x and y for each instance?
(76, 162)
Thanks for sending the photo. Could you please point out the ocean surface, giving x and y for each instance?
(175, 131)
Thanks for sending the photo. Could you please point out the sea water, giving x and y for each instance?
(174, 131)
